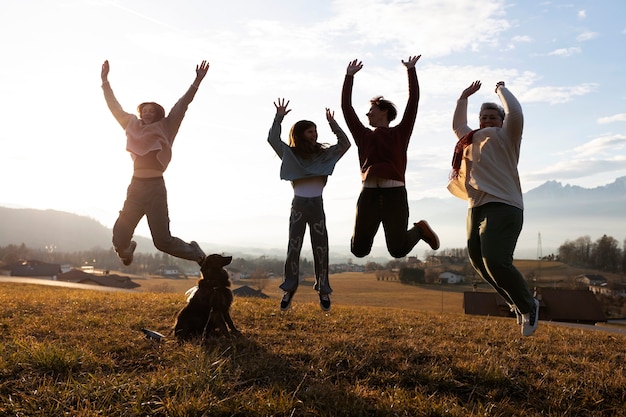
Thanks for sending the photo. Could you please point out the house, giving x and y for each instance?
(450, 278)
(111, 280)
(555, 304)
(246, 291)
(591, 279)
(33, 268)
(234, 274)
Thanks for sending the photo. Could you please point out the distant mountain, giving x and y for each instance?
(553, 214)
(41, 228)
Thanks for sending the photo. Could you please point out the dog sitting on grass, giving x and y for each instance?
(207, 313)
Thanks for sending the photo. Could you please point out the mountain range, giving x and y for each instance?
(554, 213)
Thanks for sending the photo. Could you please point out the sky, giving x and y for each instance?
(63, 150)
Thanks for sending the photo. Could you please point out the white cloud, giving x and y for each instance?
(586, 36)
(604, 145)
(557, 95)
(582, 14)
(621, 117)
(565, 51)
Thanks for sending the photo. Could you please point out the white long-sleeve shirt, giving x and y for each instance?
(490, 163)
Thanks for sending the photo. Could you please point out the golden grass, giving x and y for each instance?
(80, 353)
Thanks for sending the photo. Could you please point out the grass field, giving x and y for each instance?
(68, 352)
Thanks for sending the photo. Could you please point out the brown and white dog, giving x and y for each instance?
(207, 313)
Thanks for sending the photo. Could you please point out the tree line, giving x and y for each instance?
(604, 254)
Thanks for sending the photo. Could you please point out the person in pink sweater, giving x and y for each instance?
(149, 140)
(383, 160)
(484, 172)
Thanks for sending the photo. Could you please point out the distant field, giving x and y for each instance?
(350, 288)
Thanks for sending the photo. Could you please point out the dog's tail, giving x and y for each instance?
(190, 293)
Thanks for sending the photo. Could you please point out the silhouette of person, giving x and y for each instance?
(307, 164)
(383, 158)
(149, 140)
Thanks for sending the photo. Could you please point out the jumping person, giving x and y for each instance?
(149, 140)
(307, 164)
(383, 159)
(484, 172)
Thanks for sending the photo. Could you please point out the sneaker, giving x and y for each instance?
(285, 303)
(201, 255)
(530, 320)
(126, 255)
(428, 235)
(325, 302)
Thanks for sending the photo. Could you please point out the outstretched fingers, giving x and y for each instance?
(281, 106)
(411, 61)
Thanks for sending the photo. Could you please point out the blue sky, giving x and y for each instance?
(63, 150)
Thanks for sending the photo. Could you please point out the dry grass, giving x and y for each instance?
(80, 353)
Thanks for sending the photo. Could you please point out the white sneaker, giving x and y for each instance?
(530, 321)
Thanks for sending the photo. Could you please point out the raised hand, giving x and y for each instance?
(354, 67)
(499, 84)
(330, 115)
(410, 63)
(201, 71)
(281, 106)
(104, 75)
(474, 87)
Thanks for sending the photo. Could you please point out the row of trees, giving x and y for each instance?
(604, 254)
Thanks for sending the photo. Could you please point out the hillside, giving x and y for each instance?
(81, 353)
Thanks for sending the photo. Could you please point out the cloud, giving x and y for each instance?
(582, 14)
(604, 145)
(565, 51)
(400, 25)
(569, 170)
(586, 36)
(621, 117)
(557, 95)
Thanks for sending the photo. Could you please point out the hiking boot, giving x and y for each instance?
(285, 303)
(201, 255)
(325, 302)
(126, 255)
(428, 235)
(530, 320)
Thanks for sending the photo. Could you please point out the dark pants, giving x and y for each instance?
(390, 207)
(492, 232)
(148, 196)
(307, 211)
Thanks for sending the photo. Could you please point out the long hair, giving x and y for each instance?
(160, 110)
(302, 147)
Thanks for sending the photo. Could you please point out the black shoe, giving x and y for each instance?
(201, 255)
(285, 303)
(325, 302)
(127, 254)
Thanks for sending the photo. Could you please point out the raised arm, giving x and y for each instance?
(459, 120)
(410, 111)
(352, 120)
(120, 115)
(274, 134)
(513, 122)
(343, 143)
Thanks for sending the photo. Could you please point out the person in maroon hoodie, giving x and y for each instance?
(383, 158)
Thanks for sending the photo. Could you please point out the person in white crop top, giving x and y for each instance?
(307, 164)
